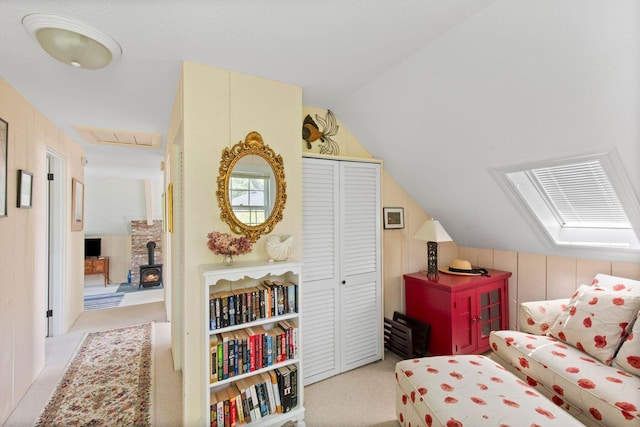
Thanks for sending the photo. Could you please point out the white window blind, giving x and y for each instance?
(584, 201)
(581, 195)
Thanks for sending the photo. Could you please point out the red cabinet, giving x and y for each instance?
(462, 310)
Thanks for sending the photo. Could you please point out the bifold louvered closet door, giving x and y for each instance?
(342, 292)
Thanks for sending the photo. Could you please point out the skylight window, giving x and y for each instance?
(584, 201)
(581, 195)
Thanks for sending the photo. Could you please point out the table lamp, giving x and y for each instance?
(433, 233)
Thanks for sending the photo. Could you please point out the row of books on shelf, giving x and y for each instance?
(250, 399)
(249, 349)
(271, 298)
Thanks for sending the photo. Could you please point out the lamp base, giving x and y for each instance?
(432, 261)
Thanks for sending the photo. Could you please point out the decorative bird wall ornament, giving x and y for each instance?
(311, 133)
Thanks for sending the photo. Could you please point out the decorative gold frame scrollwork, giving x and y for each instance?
(253, 144)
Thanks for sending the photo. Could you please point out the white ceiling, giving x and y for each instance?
(441, 90)
(329, 48)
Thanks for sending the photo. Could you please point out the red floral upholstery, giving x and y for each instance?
(536, 317)
(596, 320)
(595, 393)
(606, 327)
(616, 283)
(469, 390)
(628, 357)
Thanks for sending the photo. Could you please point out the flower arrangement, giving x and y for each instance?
(225, 244)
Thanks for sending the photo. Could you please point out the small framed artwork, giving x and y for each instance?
(4, 146)
(393, 217)
(25, 188)
(170, 207)
(77, 205)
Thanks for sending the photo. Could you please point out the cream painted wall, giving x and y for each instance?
(172, 241)
(401, 253)
(215, 109)
(118, 249)
(219, 108)
(210, 120)
(112, 202)
(23, 248)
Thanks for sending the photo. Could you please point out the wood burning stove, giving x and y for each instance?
(150, 274)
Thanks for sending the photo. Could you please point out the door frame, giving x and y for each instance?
(56, 198)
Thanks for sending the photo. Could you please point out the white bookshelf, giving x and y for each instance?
(245, 274)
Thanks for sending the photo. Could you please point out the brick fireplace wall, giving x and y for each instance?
(141, 234)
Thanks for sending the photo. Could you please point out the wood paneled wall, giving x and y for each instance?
(541, 277)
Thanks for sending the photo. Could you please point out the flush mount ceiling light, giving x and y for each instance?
(72, 42)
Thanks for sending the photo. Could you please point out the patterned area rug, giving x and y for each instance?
(98, 301)
(108, 382)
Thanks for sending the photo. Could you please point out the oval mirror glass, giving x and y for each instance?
(252, 190)
(251, 187)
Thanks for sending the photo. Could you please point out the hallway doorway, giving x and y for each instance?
(55, 243)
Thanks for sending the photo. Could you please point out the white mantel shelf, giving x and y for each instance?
(254, 269)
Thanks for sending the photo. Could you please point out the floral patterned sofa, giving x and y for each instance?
(469, 390)
(583, 353)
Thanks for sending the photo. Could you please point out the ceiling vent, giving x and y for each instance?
(123, 138)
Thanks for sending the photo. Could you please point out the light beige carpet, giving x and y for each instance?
(362, 397)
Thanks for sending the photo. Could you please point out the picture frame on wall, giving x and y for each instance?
(4, 146)
(170, 207)
(25, 188)
(77, 205)
(393, 217)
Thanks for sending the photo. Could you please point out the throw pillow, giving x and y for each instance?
(616, 283)
(595, 320)
(536, 317)
(628, 357)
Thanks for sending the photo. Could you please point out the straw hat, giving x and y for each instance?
(462, 267)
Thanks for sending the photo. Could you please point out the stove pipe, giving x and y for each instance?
(150, 249)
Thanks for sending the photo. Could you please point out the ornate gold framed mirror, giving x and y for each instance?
(252, 191)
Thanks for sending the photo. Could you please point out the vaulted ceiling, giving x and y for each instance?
(441, 90)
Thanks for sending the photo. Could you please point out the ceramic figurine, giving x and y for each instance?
(277, 248)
